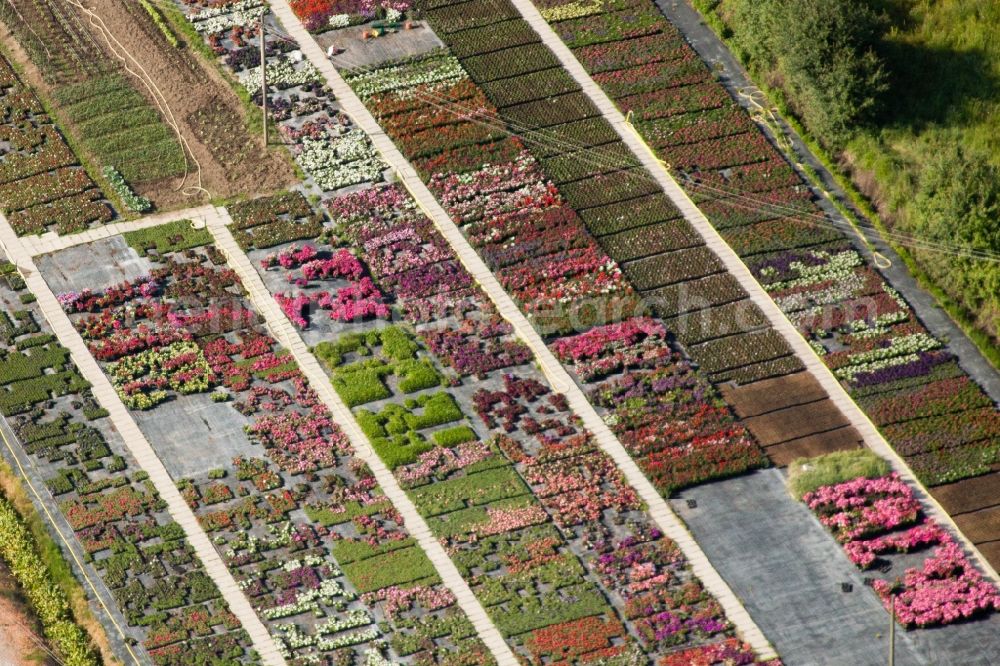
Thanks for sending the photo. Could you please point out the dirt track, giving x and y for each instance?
(196, 93)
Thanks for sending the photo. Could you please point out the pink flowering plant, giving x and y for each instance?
(863, 507)
(867, 515)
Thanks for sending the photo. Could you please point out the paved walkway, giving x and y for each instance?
(286, 334)
(554, 371)
(141, 449)
(738, 269)
(52, 242)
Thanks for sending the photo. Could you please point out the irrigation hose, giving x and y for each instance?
(158, 97)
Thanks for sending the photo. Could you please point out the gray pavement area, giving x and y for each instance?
(95, 265)
(788, 571)
(359, 52)
(193, 435)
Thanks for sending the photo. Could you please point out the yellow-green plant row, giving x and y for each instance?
(20, 552)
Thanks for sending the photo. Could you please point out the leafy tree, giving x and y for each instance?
(824, 51)
(958, 202)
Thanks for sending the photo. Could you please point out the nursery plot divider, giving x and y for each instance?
(140, 447)
(50, 242)
(557, 376)
(281, 328)
(836, 392)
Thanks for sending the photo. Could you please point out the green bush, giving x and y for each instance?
(20, 551)
(397, 344)
(359, 384)
(454, 436)
(400, 449)
(171, 237)
(415, 375)
(132, 201)
(825, 52)
(332, 353)
(807, 474)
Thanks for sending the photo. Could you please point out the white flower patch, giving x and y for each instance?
(339, 161)
(373, 658)
(339, 21)
(353, 619)
(281, 71)
(211, 21)
(838, 266)
(347, 639)
(212, 12)
(900, 351)
(329, 593)
(407, 76)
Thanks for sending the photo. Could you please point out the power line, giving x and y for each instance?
(750, 203)
(596, 156)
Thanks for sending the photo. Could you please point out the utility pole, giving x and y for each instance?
(892, 629)
(263, 79)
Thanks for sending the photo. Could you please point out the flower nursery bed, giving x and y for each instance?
(156, 587)
(279, 513)
(599, 180)
(550, 238)
(42, 183)
(541, 524)
(863, 329)
(103, 109)
(120, 128)
(874, 518)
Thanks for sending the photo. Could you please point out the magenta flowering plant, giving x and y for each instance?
(946, 589)
(864, 552)
(599, 340)
(863, 507)
(342, 264)
(866, 514)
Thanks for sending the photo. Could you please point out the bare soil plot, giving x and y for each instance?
(209, 113)
(981, 525)
(841, 439)
(222, 156)
(773, 394)
(973, 494)
(357, 52)
(991, 551)
(795, 422)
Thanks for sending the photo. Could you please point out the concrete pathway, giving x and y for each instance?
(738, 269)
(140, 448)
(52, 242)
(285, 333)
(553, 370)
